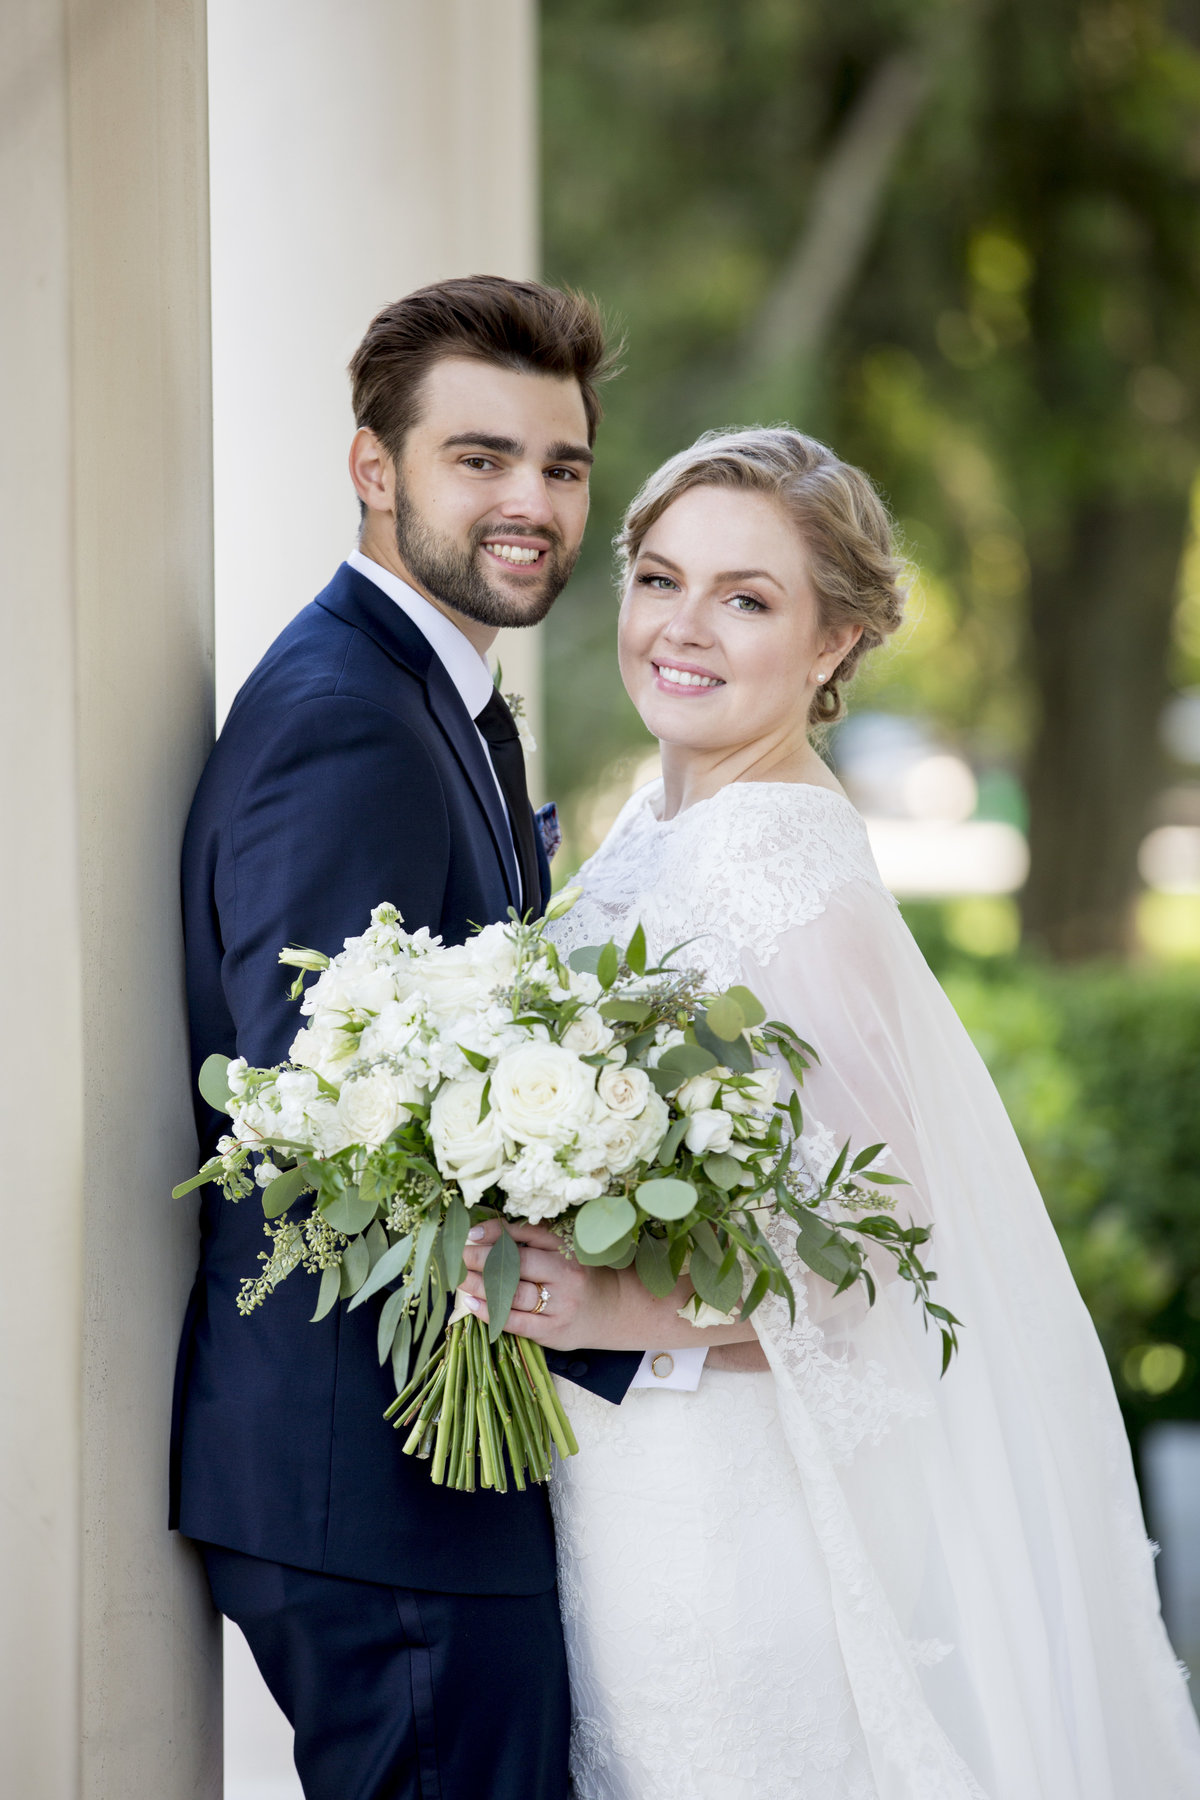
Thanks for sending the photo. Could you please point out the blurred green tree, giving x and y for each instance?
(960, 239)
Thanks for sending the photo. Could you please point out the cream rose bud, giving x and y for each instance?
(709, 1131)
(626, 1140)
(588, 1034)
(541, 1091)
(757, 1093)
(699, 1313)
(468, 1149)
(697, 1094)
(371, 1106)
(623, 1091)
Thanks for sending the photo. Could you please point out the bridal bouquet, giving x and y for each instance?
(435, 1084)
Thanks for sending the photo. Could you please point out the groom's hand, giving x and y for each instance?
(579, 1304)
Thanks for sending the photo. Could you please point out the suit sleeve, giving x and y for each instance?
(343, 809)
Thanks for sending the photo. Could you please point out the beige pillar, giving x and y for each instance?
(357, 152)
(109, 1658)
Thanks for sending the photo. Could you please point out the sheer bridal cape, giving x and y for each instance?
(978, 1538)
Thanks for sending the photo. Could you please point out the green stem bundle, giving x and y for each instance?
(476, 1400)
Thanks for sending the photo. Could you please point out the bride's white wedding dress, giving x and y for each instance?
(848, 1579)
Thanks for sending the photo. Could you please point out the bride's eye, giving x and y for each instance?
(747, 603)
(662, 584)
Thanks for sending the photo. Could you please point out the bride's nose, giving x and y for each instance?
(688, 623)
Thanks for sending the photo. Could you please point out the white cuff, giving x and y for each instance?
(671, 1369)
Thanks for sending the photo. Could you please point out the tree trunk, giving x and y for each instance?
(1100, 628)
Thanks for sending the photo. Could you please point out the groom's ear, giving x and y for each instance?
(373, 472)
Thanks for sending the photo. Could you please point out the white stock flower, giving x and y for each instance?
(371, 1106)
(393, 1031)
(588, 1034)
(235, 1074)
(322, 1046)
(469, 1150)
(450, 980)
(623, 1091)
(709, 1131)
(493, 956)
(537, 1187)
(350, 989)
(541, 1091)
(266, 1173)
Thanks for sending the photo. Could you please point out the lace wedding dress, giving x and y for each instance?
(848, 1579)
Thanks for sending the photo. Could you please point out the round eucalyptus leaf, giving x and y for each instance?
(666, 1197)
(602, 1222)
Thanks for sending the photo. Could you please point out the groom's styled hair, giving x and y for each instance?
(515, 324)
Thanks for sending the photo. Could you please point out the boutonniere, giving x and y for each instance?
(516, 706)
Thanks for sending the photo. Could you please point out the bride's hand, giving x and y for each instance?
(580, 1302)
(604, 1309)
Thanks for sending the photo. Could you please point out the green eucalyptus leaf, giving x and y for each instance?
(720, 1290)
(635, 955)
(401, 1352)
(389, 1267)
(389, 1319)
(734, 1052)
(501, 1273)
(865, 1158)
(617, 1256)
(825, 1250)
(279, 1194)
(208, 1173)
(724, 1171)
(476, 1058)
(455, 1227)
(686, 1060)
(607, 964)
(751, 1007)
(331, 1280)
(664, 1197)
(670, 1144)
(584, 960)
(602, 1222)
(377, 1241)
(757, 1294)
(654, 1265)
(356, 1266)
(213, 1082)
(426, 1237)
(348, 1212)
(626, 1012)
(725, 1018)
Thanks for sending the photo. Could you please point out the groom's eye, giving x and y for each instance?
(478, 462)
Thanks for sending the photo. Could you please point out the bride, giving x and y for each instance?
(819, 1571)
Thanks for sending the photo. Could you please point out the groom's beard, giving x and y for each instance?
(452, 573)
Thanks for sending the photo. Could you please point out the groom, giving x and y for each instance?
(410, 1633)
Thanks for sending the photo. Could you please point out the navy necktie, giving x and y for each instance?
(499, 728)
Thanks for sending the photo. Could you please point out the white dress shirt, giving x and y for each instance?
(469, 672)
(467, 669)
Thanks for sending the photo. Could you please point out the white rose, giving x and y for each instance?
(321, 1046)
(469, 1150)
(709, 1131)
(756, 1094)
(665, 1038)
(626, 1140)
(324, 1128)
(541, 1091)
(449, 980)
(588, 1034)
(623, 1091)
(371, 1106)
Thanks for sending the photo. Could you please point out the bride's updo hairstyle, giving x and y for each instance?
(847, 533)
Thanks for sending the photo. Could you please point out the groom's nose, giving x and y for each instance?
(526, 497)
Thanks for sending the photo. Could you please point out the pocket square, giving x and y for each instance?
(548, 825)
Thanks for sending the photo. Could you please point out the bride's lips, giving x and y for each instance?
(521, 554)
(684, 678)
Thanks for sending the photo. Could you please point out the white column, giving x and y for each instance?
(358, 151)
(109, 1658)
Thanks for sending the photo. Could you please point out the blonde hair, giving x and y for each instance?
(852, 556)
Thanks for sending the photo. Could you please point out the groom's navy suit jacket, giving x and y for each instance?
(348, 773)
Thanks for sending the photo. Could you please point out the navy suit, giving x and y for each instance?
(348, 773)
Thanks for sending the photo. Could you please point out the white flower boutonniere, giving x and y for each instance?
(516, 706)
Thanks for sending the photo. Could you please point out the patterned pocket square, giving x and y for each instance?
(548, 825)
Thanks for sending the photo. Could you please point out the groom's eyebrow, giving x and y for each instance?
(503, 446)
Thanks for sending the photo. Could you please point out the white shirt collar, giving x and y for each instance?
(466, 668)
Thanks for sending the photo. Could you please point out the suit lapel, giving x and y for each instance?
(361, 604)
